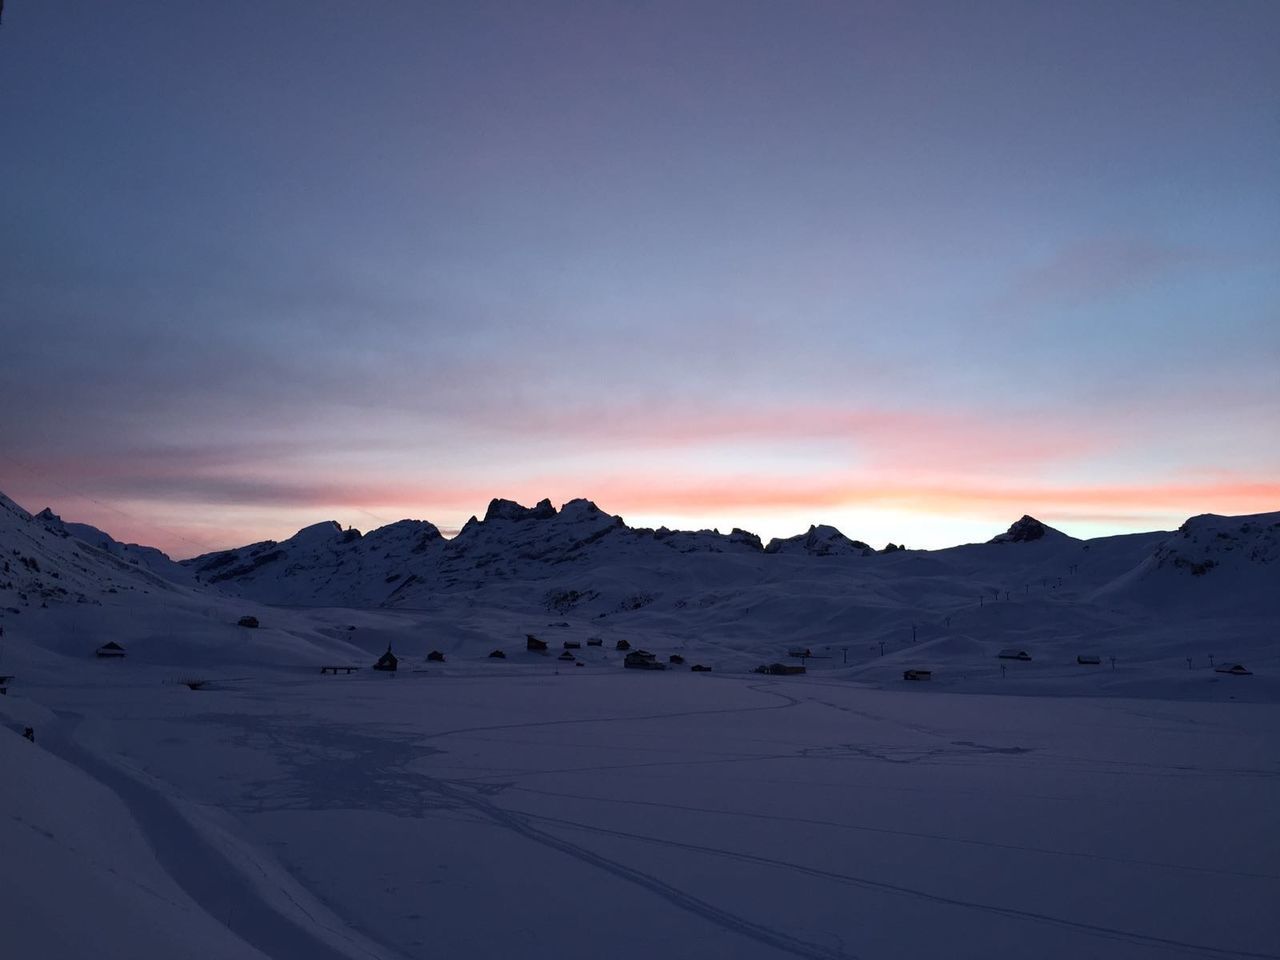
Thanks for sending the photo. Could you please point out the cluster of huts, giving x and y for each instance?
(634, 659)
(644, 660)
(781, 669)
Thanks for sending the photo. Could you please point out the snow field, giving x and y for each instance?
(696, 815)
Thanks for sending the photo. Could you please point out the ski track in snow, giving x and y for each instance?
(1112, 933)
(519, 823)
(216, 884)
(522, 823)
(466, 797)
(202, 870)
(886, 831)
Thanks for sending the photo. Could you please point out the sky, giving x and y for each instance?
(909, 269)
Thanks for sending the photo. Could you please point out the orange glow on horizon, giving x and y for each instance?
(185, 529)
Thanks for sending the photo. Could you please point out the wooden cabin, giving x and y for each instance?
(642, 660)
(251, 622)
(1235, 669)
(435, 656)
(533, 644)
(1088, 660)
(801, 652)
(917, 674)
(676, 659)
(781, 669)
(566, 655)
(699, 668)
(572, 645)
(388, 661)
(595, 642)
(497, 655)
(110, 649)
(1011, 654)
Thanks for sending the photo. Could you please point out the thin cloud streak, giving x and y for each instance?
(749, 493)
(1102, 267)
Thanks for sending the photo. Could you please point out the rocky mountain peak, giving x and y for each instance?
(500, 509)
(1023, 531)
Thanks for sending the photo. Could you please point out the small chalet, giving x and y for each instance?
(533, 644)
(572, 645)
(435, 656)
(781, 669)
(1011, 654)
(622, 645)
(566, 655)
(642, 660)
(595, 642)
(110, 649)
(388, 661)
(248, 622)
(497, 655)
(676, 659)
(917, 674)
(700, 668)
(801, 652)
(1088, 660)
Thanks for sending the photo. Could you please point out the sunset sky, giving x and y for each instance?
(910, 269)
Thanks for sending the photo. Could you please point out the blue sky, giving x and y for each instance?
(911, 269)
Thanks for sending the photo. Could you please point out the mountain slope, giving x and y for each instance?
(1212, 563)
(580, 572)
(322, 564)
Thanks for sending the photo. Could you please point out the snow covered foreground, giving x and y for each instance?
(630, 814)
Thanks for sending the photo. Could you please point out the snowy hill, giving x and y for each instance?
(43, 561)
(821, 541)
(579, 572)
(325, 565)
(1212, 563)
(146, 558)
(322, 564)
(61, 597)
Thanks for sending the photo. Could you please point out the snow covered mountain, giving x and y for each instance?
(143, 557)
(580, 557)
(1227, 564)
(62, 596)
(821, 541)
(44, 561)
(1026, 530)
(326, 565)
(580, 572)
(322, 564)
